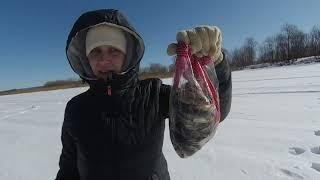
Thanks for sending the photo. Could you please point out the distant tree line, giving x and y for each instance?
(156, 70)
(289, 44)
(71, 81)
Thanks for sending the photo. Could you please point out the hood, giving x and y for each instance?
(75, 47)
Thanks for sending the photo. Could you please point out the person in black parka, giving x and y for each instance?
(115, 130)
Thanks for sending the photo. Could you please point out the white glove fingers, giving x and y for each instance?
(211, 36)
(199, 54)
(215, 41)
(182, 36)
(204, 37)
(195, 41)
(203, 40)
(219, 39)
(212, 52)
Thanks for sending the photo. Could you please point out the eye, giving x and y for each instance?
(95, 54)
(114, 51)
(95, 51)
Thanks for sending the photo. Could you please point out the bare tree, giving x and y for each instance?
(235, 58)
(268, 50)
(287, 32)
(250, 50)
(280, 48)
(314, 41)
(245, 55)
(295, 41)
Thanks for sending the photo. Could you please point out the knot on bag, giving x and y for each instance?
(183, 50)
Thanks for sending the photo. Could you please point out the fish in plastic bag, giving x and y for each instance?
(194, 102)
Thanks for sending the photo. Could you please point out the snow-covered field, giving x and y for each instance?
(272, 131)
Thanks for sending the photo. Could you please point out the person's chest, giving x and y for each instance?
(126, 119)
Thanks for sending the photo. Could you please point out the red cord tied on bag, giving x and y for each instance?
(194, 101)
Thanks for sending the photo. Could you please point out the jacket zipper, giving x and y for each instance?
(109, 90)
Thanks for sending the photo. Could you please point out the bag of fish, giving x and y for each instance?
(194, 102)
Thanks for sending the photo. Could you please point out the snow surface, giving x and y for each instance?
(272, 131)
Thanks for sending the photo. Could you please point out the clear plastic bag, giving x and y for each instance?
(194, 102)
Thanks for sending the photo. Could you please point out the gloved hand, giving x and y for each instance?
(204, 41)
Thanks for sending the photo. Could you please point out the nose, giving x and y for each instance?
(105, 57)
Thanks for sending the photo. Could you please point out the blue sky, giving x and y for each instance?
(33, 33)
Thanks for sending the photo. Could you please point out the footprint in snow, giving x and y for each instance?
(296, 150)
(315, 150)
(291, 174)
(243, 171)
(316, 166)
(317, 133)
(35, 107)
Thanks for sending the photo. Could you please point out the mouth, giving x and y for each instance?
(103, 73)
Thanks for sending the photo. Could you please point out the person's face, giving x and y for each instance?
(103, 59)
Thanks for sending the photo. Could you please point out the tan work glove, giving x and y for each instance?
(204, 41)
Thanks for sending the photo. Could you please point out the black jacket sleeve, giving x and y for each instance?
(164, 101)
(223, 71)
(68, 158)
